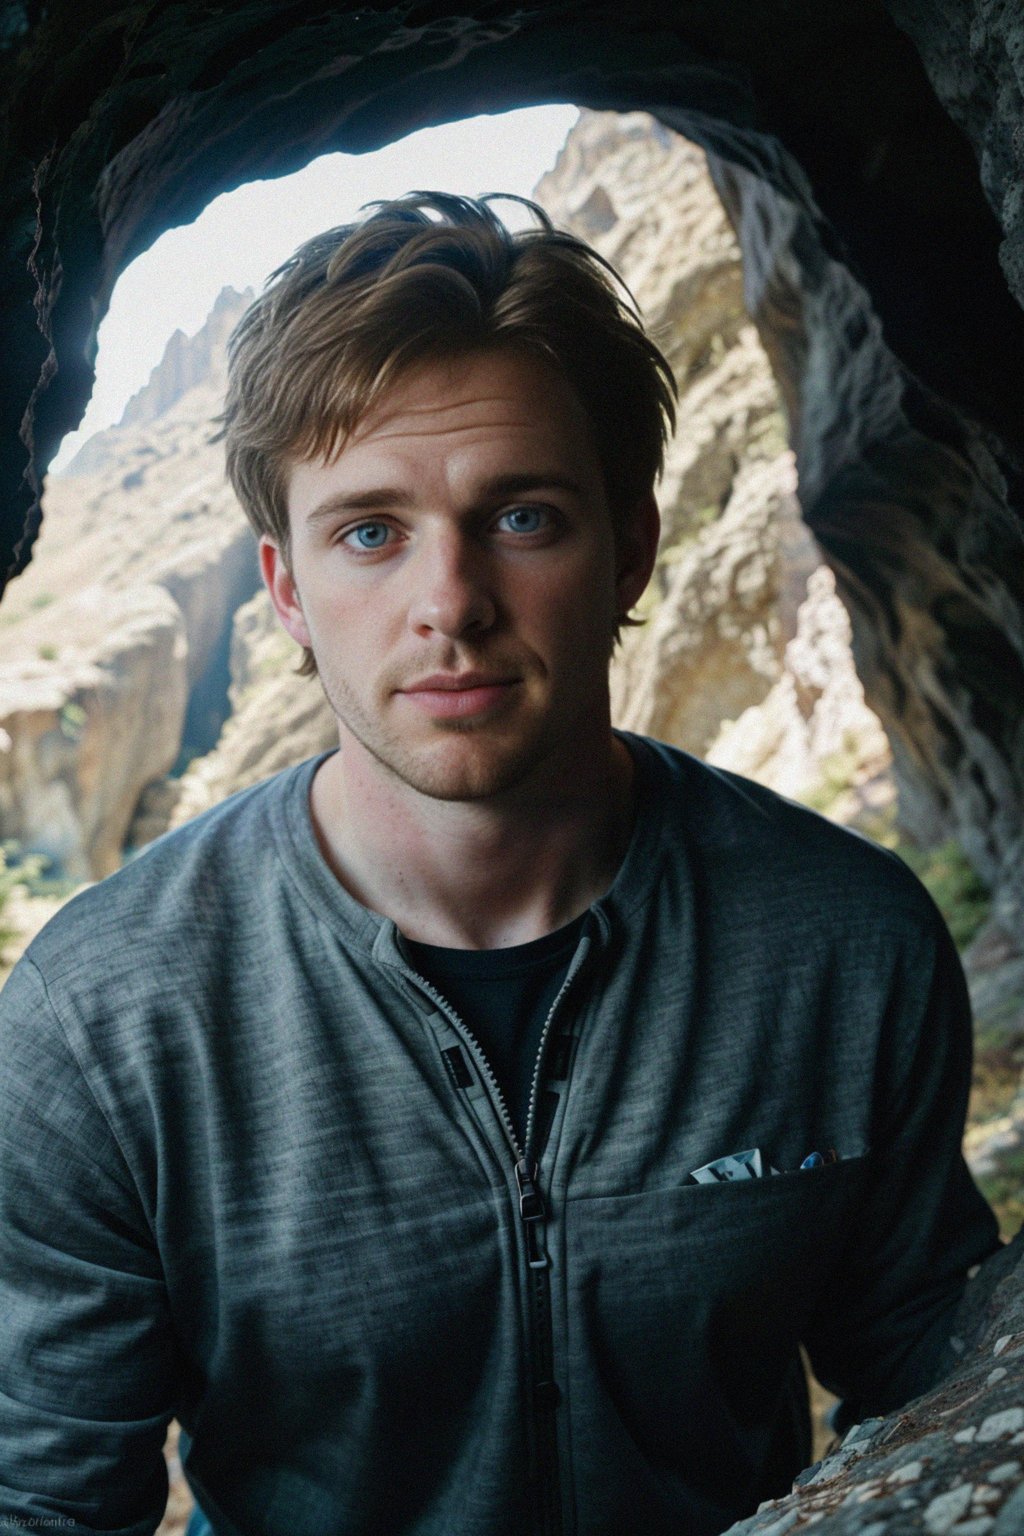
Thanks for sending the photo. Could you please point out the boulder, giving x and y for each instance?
(951, 1463)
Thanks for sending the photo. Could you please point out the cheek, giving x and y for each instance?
(344, 615)
(569, 620)
(586, 598)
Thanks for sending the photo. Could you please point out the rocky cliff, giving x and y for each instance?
(718, 668)
(188, 363)
(116, 641)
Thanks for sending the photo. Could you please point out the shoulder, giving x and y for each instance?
(740, 836)
(181, 886)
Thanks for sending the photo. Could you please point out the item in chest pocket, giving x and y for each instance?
(737, 1165)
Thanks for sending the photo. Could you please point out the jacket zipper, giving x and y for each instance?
(545, 1394)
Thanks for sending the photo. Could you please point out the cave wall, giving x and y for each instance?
(911, 501)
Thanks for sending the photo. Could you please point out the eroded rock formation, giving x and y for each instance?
(952, 1462)
(80, 737)
(909, 502)
(718, 668)
(115, 642)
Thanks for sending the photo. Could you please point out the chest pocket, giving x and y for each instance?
(686, 1305)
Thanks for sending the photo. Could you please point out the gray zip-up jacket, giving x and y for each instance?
(252, 1173)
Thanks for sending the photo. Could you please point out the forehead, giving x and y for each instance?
(472, 392)
(450, 435)
(461, 407)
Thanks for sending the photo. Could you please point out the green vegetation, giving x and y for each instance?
(953, 885)
(47, 652)
(41, 600)
(72, 721)
(33, 872)
(944, 871)
(837, 773)
(1004, 1192)
(13, 875)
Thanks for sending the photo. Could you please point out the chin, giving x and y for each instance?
(474, 775)
(463, 764)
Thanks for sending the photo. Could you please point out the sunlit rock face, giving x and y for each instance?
(115, 641)
(911, 503)
(84, 728)
(718, 667)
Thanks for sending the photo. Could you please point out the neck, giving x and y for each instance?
(476, 874)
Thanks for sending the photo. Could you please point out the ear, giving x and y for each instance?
(637, 551)
(284, 594)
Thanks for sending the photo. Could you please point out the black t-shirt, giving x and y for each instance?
(503, 996)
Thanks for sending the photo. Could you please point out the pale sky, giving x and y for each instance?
(240, 237)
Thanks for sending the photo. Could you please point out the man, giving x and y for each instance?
(461, 1132)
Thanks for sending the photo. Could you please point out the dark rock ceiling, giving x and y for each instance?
(871, 156)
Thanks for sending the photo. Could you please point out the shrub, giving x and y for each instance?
(952, 884)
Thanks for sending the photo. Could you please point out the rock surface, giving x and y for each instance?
(80, 737)
(115, 641)
(276, 717)
(909, 503)
(188, 362)
(813, 731)
(950, 1462)
(718, 657)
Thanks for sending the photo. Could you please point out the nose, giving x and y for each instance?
(452, 592)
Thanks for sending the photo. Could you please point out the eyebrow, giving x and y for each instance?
(385, 497)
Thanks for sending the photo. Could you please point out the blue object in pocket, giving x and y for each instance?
(198, 1525)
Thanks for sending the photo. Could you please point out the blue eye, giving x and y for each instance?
(368, 536)
(525, 519)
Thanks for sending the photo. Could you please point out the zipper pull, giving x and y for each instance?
(531, 1209)
(531, 1201)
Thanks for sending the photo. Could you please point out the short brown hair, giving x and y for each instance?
(433, 275)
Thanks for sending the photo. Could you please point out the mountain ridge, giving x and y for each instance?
(187, 363)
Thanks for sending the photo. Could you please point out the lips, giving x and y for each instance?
(456, 682)
(458, 695)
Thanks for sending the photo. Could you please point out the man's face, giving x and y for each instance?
(455, 573)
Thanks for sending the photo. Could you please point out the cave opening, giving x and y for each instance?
(817, 324)
(872, 248)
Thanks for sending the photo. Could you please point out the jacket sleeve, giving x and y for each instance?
(86, 1379)
(880, 1333)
